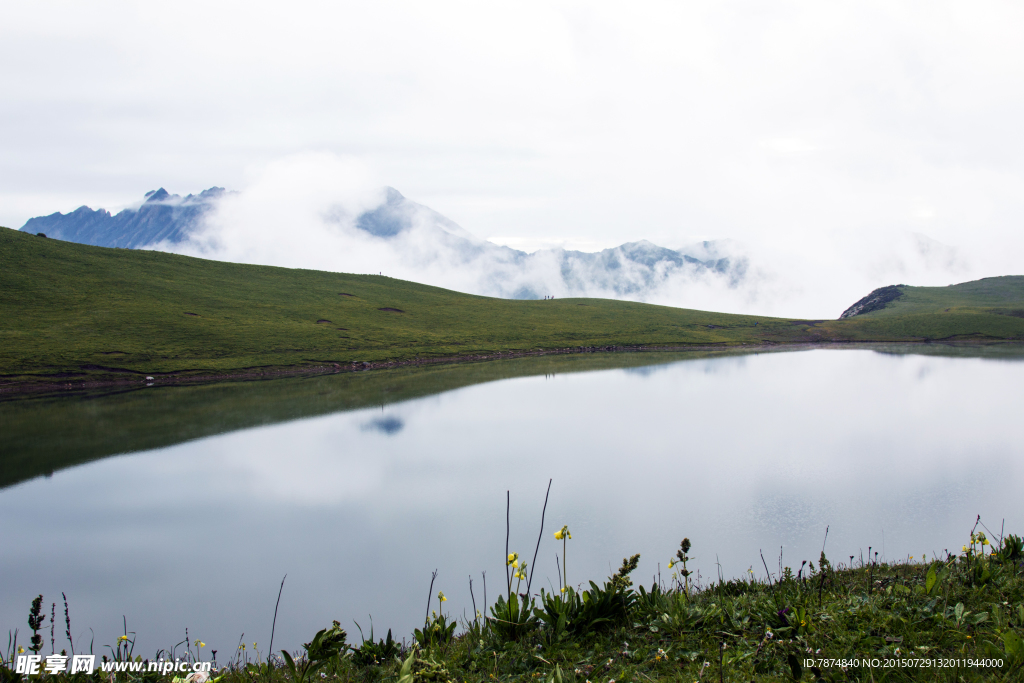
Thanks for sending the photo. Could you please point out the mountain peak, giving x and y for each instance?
(157, 195)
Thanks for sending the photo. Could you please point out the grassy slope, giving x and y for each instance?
(992, 308)
(68, 305)
(69, 311)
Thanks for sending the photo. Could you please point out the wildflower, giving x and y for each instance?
(512, 558)
(242, 646)
(984, 541)
(440, 596)
(199, 643)
(965, 549)
(564, 588)
(21, 650)
(769, 634)
(671, 564)
(122, 638)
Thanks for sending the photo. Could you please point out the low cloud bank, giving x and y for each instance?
(328, 213)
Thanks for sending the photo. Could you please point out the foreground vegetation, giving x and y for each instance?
(954, 618)
(73, 313)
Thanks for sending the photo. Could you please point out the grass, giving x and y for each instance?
(959, 617)
(72, 313)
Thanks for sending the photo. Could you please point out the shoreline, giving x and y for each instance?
(139, 379)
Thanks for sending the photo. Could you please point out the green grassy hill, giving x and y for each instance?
(988, 309)
(72, 312)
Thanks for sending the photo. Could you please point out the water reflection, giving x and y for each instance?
(741, 454)
(385, 425)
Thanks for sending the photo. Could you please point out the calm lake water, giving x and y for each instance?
(358, 487)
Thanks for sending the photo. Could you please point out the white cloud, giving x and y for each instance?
(302, 211)
(817, 132)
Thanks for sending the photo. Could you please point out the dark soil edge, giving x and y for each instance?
(11, 390)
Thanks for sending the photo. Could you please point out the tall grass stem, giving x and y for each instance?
(543, 512)
(273, 626)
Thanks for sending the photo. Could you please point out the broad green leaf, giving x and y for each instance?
(1013, 643)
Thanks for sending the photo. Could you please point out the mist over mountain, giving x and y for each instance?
(390, 232)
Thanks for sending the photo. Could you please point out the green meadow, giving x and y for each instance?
(71, 313)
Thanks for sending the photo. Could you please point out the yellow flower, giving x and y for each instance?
(440, 596)
(671, 564)
(564, 588)
(122, 637)
(515, 564)
(965, 549)
(984, 541)
(558, 534)
(242, 646)
(563, 533)
(200, 643)
(21, 650)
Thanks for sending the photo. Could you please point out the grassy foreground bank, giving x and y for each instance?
(72, 313)
(959, 617)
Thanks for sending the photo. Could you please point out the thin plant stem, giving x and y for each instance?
(565, 570)
(476, 619)
(508, 508)
(273, 626)
(430, 595)
(529, 580)
(67, 622)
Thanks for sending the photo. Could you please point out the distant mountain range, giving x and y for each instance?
(162, 217)
(421, 235)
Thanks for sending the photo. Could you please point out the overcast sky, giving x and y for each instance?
(813, 127)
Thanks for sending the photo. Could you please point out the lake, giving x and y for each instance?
(183, 507)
